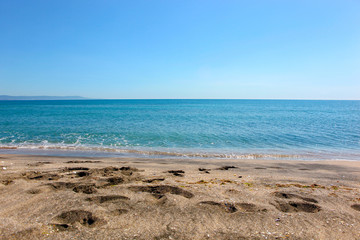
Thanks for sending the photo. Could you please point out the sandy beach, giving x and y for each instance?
(45, 197)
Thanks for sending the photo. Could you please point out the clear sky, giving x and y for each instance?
(292, 49)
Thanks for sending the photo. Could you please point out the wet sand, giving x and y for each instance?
(107, 198)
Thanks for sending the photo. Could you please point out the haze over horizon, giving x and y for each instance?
(44, 97)
(181, 49)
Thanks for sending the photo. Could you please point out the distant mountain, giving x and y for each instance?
(7, 97)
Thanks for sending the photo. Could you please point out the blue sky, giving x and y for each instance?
(296, 49)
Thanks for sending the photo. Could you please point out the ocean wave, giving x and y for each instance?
(154, 153)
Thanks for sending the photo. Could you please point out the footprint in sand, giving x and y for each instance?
(285, 195)
(78, 171)
(75, 169)
(107, 198)
(233, 207)
(204, 170)
(87, 188)
(291, 207)
(356, 207)
(114, 180)
(227, 207)
(226, 168)
(153, 180)
(159, 191)
(68, 219)
(32, 175)
(111, 171)
(177, 173)
(83, 161)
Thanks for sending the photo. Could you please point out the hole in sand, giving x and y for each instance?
(82, 174)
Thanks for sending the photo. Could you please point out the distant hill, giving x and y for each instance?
(7, 97)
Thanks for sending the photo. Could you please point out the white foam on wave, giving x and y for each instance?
(45, 145)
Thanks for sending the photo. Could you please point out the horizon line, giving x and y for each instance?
(86, 98)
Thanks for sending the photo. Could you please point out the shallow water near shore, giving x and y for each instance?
(236, 129)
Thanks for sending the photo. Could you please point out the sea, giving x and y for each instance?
(223, 129)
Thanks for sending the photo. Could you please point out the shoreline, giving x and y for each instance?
(107, 152)
(57, 197)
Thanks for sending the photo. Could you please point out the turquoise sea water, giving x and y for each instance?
(289, 129)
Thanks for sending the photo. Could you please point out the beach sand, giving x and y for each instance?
(45, 197)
